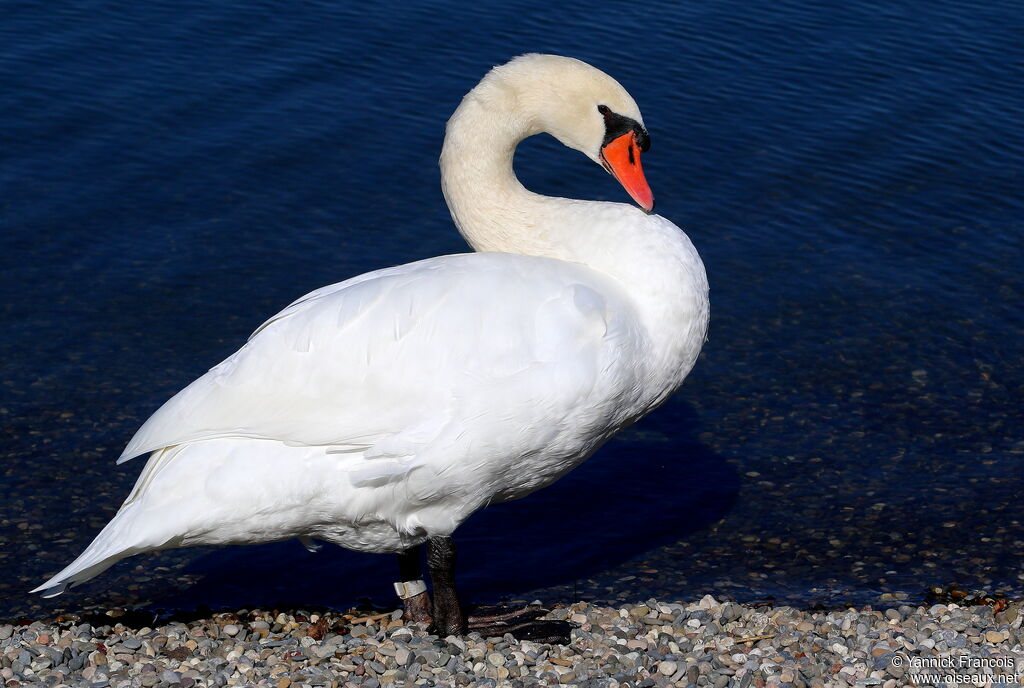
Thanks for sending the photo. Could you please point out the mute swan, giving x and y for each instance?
(380, 412)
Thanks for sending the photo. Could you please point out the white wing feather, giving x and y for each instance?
(382, 364)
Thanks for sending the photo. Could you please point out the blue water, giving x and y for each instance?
(173, 173)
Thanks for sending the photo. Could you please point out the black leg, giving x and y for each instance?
(417, 606)
(409, 564)
(448, 618)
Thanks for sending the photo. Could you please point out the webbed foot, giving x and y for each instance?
(524, 623)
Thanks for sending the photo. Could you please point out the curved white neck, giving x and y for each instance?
(648, 256)
(491, 208)
(495, 212)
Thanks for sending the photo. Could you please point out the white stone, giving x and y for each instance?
(707, 602)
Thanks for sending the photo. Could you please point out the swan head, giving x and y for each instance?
(585, 109)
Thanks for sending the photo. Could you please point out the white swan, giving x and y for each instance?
(379, 413)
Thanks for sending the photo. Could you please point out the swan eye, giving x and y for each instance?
(615, 125)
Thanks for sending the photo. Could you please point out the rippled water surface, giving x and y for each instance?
(173, 173)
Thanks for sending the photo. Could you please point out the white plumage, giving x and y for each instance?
(386, 409)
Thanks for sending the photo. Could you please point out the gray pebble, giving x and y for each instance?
(429, 657)
(731, 612)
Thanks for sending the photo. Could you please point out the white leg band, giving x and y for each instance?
(407, 589)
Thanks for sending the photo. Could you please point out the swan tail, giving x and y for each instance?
(109, 547)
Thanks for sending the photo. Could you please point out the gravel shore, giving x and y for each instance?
(702, 643)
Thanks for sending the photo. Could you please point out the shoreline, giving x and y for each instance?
(703, 642)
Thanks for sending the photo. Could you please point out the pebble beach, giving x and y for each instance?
(705, 642)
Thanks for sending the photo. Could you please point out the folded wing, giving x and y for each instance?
(383, 364)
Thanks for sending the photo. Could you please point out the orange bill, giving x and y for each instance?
(621, 157)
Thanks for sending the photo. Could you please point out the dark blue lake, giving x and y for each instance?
(173, 173)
